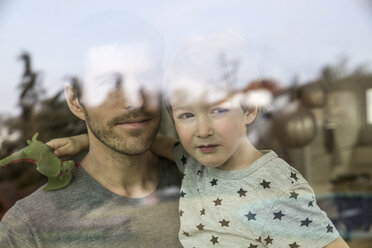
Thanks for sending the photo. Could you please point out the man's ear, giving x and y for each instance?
(73, 102)
(250, 114)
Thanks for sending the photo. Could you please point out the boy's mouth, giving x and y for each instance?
(207, 148)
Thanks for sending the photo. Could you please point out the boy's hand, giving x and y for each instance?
(69, 146)
(163, 146)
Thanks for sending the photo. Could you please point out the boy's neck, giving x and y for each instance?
(245, 155)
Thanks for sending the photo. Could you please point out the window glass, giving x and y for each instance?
(369, 105)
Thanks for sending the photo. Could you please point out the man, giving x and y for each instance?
(122, 194)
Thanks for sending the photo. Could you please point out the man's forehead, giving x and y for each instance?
(120, 58)
(134, 65)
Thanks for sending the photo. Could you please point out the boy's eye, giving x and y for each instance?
(219, 110)
(185, 116)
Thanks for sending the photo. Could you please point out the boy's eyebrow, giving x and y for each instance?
(179, 108)
(232, 94)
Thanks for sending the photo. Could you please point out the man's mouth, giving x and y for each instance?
(208, 148)
(137, 120)
(134, 123)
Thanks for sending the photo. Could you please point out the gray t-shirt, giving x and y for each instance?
(85, 214)
(267, 204)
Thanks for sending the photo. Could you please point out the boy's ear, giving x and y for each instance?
(73, 102)
(250, 114)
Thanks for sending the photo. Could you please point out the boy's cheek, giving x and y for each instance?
(226, 126)
(185, 136)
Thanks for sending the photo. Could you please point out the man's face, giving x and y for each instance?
(120, 109)
(126, 130)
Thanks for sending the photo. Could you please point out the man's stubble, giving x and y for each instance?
(135, 143)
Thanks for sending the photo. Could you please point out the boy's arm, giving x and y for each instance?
(70, 145)
(338, 243)
(163, 146)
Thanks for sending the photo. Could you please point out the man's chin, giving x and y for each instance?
(133, 141)
(132, 145)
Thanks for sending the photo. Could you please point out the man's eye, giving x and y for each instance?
(111, 81)
(219, 110)
(185, 116)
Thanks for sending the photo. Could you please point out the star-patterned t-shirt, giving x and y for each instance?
(267, 204)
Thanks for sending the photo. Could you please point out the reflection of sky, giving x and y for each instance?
(288, 37)
(210, 69)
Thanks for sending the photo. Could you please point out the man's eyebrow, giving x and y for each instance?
(109, 78)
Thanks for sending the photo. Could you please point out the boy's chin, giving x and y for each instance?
(212, 164)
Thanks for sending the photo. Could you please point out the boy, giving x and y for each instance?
(232, 194)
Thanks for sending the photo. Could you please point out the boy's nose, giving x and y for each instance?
(204, 129)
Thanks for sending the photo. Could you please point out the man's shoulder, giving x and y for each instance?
(42, 202)
(41, 198)
(38, 209)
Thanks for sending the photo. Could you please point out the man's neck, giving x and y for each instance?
(133, 176)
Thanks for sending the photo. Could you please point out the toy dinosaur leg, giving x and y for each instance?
(60, 182)
(68, 166)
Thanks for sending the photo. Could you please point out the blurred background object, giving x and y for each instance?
(323, 129)
(313, 59)
(49, 115)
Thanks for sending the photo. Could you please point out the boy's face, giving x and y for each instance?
(213, 133)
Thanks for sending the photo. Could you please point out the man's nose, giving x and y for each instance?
(204, 128)
(134, 96)
(135, 100)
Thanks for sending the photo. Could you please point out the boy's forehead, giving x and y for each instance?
(191, 90)
(190, 94)
(203, 105)
(208, 72)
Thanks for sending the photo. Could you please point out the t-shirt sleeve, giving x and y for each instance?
(295, 220)
(15, 230)
(180, 156)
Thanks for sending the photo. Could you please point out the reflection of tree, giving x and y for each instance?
(48, 115)
(31, 91)
(230, 71)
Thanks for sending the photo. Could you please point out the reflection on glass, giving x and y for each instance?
(369, 105)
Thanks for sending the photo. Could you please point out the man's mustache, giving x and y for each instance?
(132, 115)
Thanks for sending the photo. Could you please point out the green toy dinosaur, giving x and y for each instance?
(58, 173)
